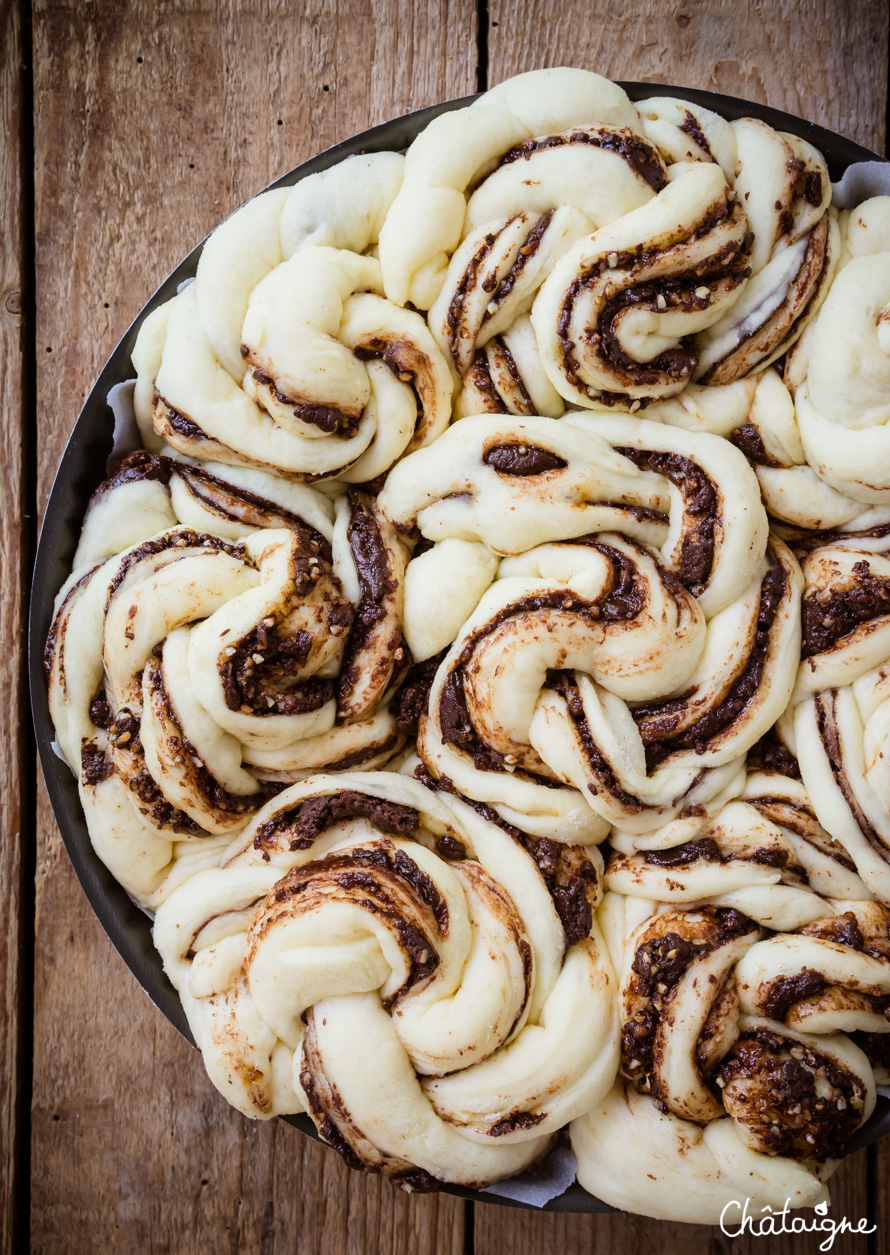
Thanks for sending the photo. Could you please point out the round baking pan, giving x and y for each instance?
(82, 469)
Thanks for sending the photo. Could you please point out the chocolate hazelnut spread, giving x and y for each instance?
(569, 875)
(465, 286)
(690, 127)
(659, 964)
(683, 291)
(478, 378)
(526, 252)
(136, 466)
(826, 724)
(700, 506)
(327, 418)
(804, 1107)
(412, 699)
(571, 880)
(184, 538)
(178, 423)
(522, 459)
(686, 854)
(94, 764)
(658, 723)
(563, 682)
(101, 715)
(785, 991)
(126, 747)
(376, 584)
(642, 156)
(749, 440)
(232, 501)
(304, 824)
(831, 615)
(843, 929)
(517, 1120)
(774, 755)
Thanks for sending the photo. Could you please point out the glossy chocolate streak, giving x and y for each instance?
(774, 755)
(328, 1129)
(124, 737)
(178, 423)
(412, 699)
(100, 711)
(401, 358)
(519, 395)
(777, 1098)
(843, 930)
(826, 723)
(749, 440)
(95, 766)
(372, 565)
(183, 539)
(327, 418)
(523, 257)
(657, 723)
(803, 541)
(679, 292)
(690, 127)
(205, 784)
(658, 966)
(638, 153)
(479, 377)
(221, 497)
(264, 687)
(683, 855)
(623, 600)
(566, 871)
(466, 285)
(457, 726)
(135, 467)
(787, 990)
(570, 878)
(522, 459)
(627, 595)
(369, 878)
(563, 682)
(700, 506)
(828, 619)
(517, 1120)
(305, 822)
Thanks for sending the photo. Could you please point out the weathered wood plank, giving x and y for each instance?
(152, 122)
(13, 772)
(522, 1233)
(819, 60)
(815, 58)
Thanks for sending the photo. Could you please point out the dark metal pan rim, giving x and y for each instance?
(82, 468)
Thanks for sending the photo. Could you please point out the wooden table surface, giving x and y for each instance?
(131, 130)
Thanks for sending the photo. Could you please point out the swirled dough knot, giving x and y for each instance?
(368, 908)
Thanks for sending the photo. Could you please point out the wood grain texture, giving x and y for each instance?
(823, 60)
(530, 1233)
(13, 775)
(152, 122)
